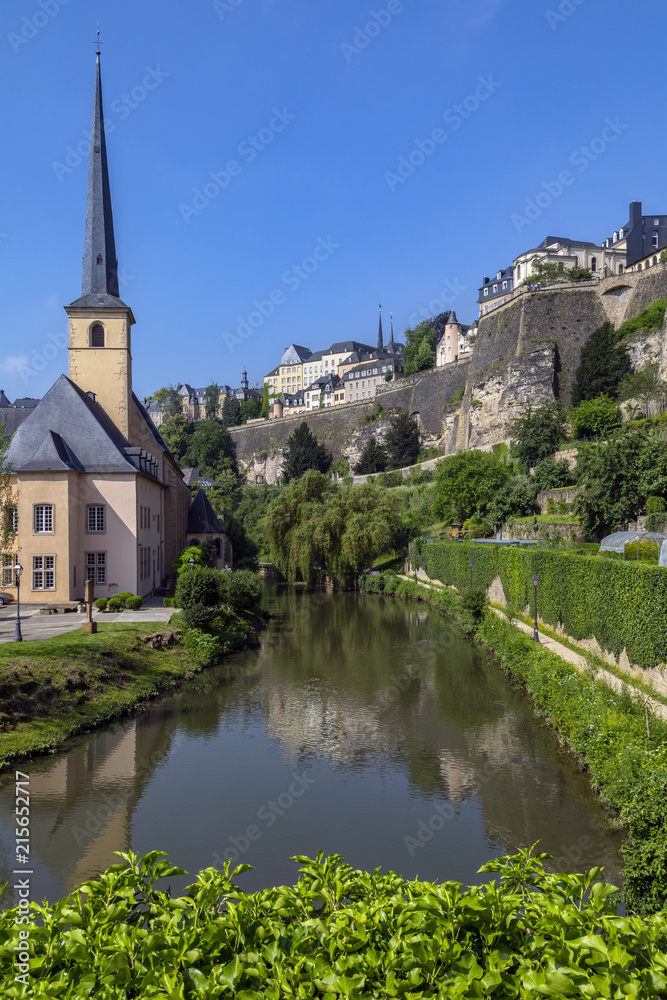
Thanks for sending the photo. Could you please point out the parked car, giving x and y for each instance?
(6, 598)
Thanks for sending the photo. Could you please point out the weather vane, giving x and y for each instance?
(98, 43)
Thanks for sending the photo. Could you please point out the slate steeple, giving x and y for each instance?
(380, 340)
(100, 266)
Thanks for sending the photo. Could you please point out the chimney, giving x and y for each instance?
(635, 213)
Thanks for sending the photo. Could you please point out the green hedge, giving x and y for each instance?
(622, 605)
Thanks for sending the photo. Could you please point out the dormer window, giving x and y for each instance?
(97, 338)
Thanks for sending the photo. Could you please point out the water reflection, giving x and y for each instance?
(359, 725)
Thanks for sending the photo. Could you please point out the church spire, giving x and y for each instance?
(391, 334)
(100, 266)
(380, 341)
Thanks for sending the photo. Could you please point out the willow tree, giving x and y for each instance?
(315, 526)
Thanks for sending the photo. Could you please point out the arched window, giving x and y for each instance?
(216, 547)
(97, 335)
(594, 263)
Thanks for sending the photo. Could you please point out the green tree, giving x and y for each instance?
(176, 434)
(210, 449)
(644, 385)
(265, 402)
(250, 409)
(425, 356)
(303, 453)
(372, 459)
(402, 441)
(551, 475)
(537, 434)
(315, 526)
(512, 501)
(602, 365)
(424, 333)
(169, 400)
(231, 412)
(593, 417)
(211, 400)
(200, 555)
(611, 490)
(466, 483)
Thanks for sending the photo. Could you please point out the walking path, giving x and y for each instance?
(578, 660)
(35, 626)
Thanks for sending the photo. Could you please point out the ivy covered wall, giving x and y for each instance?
(621, 605)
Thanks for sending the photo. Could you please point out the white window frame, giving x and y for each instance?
(96, 566)
(41, 518)
(8, 563)
(95, 515)
(44, 572)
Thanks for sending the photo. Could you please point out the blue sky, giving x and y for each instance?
(304, 113)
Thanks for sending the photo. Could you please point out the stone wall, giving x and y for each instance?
(566, 493)
(526, 353)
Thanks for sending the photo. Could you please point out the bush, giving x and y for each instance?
(115, 603)
(474, 601)
(390, 479)
(655, 508)
(593, 417)
(134, 602)
(198, 616)
(198, 586)
(123, 596)
(101, 603)
(240, 590)
(169, 602)
(477, 527)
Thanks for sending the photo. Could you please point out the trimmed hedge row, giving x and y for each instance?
(622, 605)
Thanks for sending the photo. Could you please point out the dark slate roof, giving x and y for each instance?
(324, 381)
(202, 519)
(565, 240)
(295, 355)
(192, 476)
(348, 346)
(68, 426)
(27, 402)
(99, 288)
(275, 371)
(452, 319)
(380, 340)
(3, 399)
(149, 424)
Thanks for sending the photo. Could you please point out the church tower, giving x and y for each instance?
(100, 358)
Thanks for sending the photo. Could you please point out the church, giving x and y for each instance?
(98, 494)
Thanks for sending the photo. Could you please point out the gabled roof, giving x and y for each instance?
(3, 399)
(202, 519)
(68, 427)
(565, 241)
(27, 402)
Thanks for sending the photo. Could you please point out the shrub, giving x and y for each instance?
(477, 527)
(198, 616)
(123, 596)
(198, 586)
(240, 590)
(474, 601)
(390, 479)
(101, 603)
(455, 398)
(169, 602)
(551, 506)
(115, 603)
(134, 602)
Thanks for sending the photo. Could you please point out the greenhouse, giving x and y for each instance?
(617, 542)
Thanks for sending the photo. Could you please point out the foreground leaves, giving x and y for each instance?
(338, 932)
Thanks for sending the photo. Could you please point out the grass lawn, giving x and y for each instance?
(55, 687)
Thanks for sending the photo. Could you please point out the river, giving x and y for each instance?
(359, 725)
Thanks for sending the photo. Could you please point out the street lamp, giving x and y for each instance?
(191, 563)
(470, 565)
(536, 580)
(18, 569)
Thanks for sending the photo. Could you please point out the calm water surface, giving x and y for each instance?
(361, 725)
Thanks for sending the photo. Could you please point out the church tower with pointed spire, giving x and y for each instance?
(380, 338)
(100, 323)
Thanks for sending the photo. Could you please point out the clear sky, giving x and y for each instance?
(304, 112)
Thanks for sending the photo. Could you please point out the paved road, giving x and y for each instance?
(35, 626)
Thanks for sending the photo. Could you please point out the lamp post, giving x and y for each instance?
(18, 569)
(191, 563)
(536, 580)
(470, 565)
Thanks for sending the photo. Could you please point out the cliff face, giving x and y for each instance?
(526, 353)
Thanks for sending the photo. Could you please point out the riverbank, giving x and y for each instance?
(52, 689)
(613, 736)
